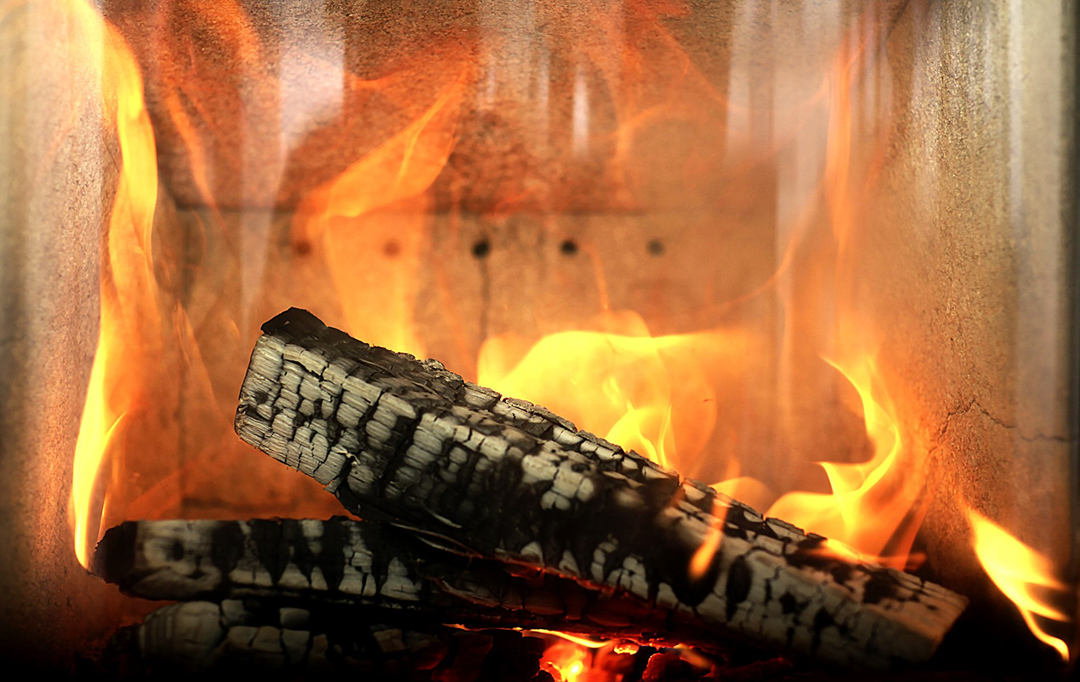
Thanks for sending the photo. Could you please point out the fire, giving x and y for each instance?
(566, 661)
(682, 398)
(340, 217)
(873, 507)
(1024, 576)
(575, 659)
(702, 558)
(646, 393)
(112, 393)
(576, 639)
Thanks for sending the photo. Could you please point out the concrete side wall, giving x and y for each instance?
(971, 265)
(57, 177)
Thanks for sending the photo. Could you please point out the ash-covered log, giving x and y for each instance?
(377, 569)
(410, 443)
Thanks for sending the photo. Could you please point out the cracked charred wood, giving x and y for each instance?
(410, 443)
(375, 567)
(242, 636)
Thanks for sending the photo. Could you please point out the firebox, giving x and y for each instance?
(818, 256)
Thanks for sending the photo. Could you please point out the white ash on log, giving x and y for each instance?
(375, 568)
(408, 442)
(291, 642)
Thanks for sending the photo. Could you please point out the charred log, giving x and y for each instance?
(379, 570)
(410, 443)
(321, 643)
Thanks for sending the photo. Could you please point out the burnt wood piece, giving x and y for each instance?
(408, 442)
(316, 643)
(377, 569)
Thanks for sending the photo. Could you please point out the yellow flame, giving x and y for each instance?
(1020, 573)
(648, 393)
(699, 563)
(572, 672)
(377, 293)
(403, 166)
(631, 430)
(565, 661)
(127, 268)
(576, 639)
(886, 488)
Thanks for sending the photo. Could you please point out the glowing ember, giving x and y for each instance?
(566, 661)
(1024, 576)
(128, 270)
(576, 639)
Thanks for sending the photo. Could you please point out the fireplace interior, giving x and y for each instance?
(818, 256)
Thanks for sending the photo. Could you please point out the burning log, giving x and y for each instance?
(410, 443)
(378, 570)
(233, 635)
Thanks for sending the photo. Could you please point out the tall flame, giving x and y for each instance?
(337, 216)
(1024, 576)
(662, 395)
(127, 268)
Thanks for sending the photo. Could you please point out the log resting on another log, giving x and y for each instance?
(381, 571)
(410, 443)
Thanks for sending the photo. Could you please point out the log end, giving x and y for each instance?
(114, 557)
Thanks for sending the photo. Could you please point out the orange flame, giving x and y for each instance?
(876, 506)
(566, 661)
(660, 395)
(403, 166)
(1023, 575)
(576, 639)
(703, 556)
(340, 212)
(643, 392)
(871, 505)
(626, 384)
(127, 269)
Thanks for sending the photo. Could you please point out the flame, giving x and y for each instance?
(875, 506)
(703, 556)
(576, 639)
(378, 299)
(873, 511)
(127, 268)
(871, 505)
(403, 166)
(643, 392)
(682, 399)
(566, 661)
(663, 398)
(1024, 576)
